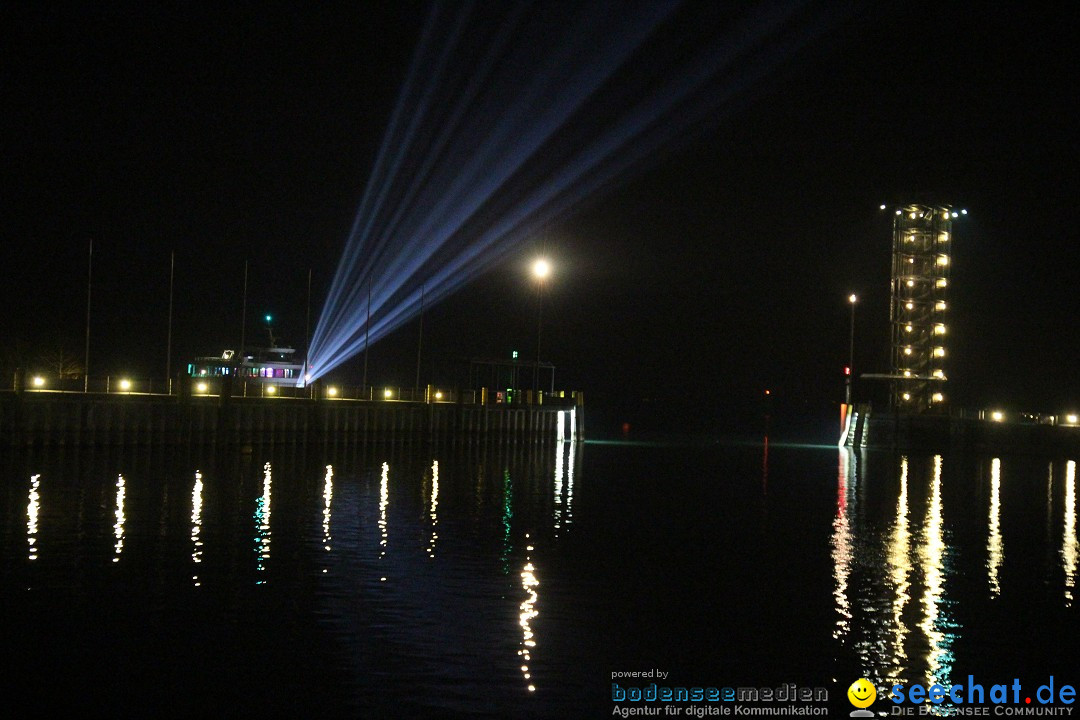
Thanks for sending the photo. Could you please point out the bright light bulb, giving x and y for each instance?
(943, 260)
(939, 329)
(39, 381)
(541, 268)
(852, 299)
(907, 396)
(387, 393)
(331, 391)
(125, 384)
(910, 306)
(939, 352)
(270, 389)
(202, 387)
(997, 416)
(907, 351)
(1071, 419)
(937, 397)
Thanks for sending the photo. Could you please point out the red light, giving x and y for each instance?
(847, 370)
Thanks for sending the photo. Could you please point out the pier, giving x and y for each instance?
(35, 417)
(980, 430)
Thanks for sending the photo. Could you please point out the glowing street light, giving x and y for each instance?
(271, 390)
(331, 391)
(541, 269)
(1072, 418)
(997, 416)
(388, 393)
(202, 387)
(125, 385)
(38, 381)
(852, 299)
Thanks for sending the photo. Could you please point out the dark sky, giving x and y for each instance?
(720, 269)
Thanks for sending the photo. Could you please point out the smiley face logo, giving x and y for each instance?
(862, 693)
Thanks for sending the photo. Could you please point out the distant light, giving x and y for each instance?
(963, 212)
(1072, 419)
(939, 352)
(847, 371)
(997, 416)
(202, 387)
(945, 215)
(937, 397)
(908, 328)
(907, 373)
(912, 216)
(38, 381)
(514, 355)
(942, 282)
(939, 374)
(910, 306)
(541, 268)
(270, 389)
(852, 299)
(939, 305)
(331, 391)
(939, 329)
(911, 283)
(388, 393)
(898, 212)
(438, 395)
(954, 214)
(943, 260)
(906, 396)
(125, 384)
(269, 318)
(907, 351)
(883, 207)
(768, 392)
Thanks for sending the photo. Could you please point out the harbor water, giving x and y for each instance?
(529, 580)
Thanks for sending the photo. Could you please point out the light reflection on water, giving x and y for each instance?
(899, 569)
(1069, 542)
(121, 518)
(196, 526)
(434, 508)
(262, 523)
(33, 508)
(897, 550)
(995, 548)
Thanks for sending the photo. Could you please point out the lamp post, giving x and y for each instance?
(541, 269)
(852, 299)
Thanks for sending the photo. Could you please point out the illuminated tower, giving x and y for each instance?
(921, 255)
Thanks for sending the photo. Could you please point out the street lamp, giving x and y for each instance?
(541, 269)
(852, 299)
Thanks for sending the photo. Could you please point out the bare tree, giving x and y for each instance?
(62, 364)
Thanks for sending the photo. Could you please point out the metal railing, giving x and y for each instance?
(214, 387)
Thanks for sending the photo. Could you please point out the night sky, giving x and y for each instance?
(716, 270)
